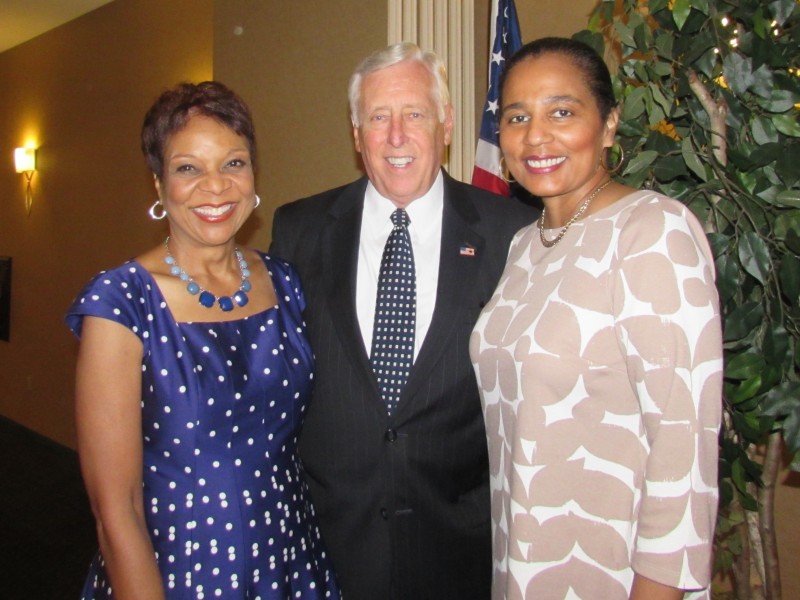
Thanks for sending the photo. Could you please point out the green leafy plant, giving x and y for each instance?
(710, 92)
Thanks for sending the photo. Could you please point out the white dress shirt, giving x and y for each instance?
(425, 230)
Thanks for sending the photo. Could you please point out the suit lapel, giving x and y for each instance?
(340, 258)
(459, 265)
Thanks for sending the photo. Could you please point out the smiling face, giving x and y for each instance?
(551, 131)
(207, 188)
(400, 137)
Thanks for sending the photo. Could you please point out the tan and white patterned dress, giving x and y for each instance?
(600, 367)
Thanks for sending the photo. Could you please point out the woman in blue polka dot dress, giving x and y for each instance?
(192, 380)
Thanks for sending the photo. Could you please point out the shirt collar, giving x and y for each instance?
(424, 212)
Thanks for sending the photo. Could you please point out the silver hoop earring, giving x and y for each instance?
(258, 202)
(153, 214)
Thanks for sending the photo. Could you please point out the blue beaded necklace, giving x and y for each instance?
(206, 298)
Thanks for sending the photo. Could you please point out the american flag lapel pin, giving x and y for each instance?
(467, 250)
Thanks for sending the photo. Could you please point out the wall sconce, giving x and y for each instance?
(25, 162)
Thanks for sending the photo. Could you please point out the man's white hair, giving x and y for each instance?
(393, 55)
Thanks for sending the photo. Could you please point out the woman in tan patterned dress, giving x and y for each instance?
(599, 358)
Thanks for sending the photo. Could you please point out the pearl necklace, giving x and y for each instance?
(550, 243)
(206, 298)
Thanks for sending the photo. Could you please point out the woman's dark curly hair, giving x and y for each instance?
(173, 109)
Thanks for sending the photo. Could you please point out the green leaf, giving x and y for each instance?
(763, 130)
(692, 161)
(781, 400)
(759, 26)
(762, 82)
(746, 390)
(754, 256)
(680, 12)
(739, 476)
(625, 34)
(791, 431)
(786, 165)
(776, 344)
(661, 68)
(788, 198)
(642, 33)
(663, 44)
(738, 73)
(748, 426)
(777, 100)
(765, 154)
(660, 99)
(744, 366)
(787, 125)
(700, 5)
(781, 10)
(657, 5)
(795, 464)
(727, 277)
(790, 278)
(634, 103)
(786, 222)
(719, 243)
(669, 168)
(741, 321)
(592, 38)
(641, 161)
(792, 241)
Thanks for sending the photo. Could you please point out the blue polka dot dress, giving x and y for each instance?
(222, 405)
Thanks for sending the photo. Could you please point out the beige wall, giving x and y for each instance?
(292, 68)
(80, 92)
(541, 18)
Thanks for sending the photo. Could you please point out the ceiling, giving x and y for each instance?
(21, 20)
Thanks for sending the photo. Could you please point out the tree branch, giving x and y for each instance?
(717, 113)
(766, 502)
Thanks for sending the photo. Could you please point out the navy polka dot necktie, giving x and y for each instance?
(395, 313)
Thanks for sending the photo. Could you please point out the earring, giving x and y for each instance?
(157, 216)
(609, 152)
(505, 173)
(258, 202)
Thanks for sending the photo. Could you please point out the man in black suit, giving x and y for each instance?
(402, 495)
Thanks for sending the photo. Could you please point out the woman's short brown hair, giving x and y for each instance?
(173, 109)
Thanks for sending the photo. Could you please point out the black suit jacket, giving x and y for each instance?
(403, 502)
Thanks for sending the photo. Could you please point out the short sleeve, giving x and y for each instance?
(117, 295)
(286, 280)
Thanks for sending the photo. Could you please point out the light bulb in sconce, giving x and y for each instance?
(25, 162)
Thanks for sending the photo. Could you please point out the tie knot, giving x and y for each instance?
(400, 218)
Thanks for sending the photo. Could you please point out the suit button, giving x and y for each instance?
(384, 514)
(391, 435)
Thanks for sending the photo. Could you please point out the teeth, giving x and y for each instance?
(213, 211)
(399, 161)
(547, 162)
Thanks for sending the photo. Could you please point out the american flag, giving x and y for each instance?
(505, 40)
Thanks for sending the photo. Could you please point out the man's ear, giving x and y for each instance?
(448, 124)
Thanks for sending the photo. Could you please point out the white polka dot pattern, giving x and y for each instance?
(227, 509)
(600, 367)
(392, 352)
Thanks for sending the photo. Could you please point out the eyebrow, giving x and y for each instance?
(548, 100)
(185, 155)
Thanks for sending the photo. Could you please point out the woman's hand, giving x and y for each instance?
(108, 417)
